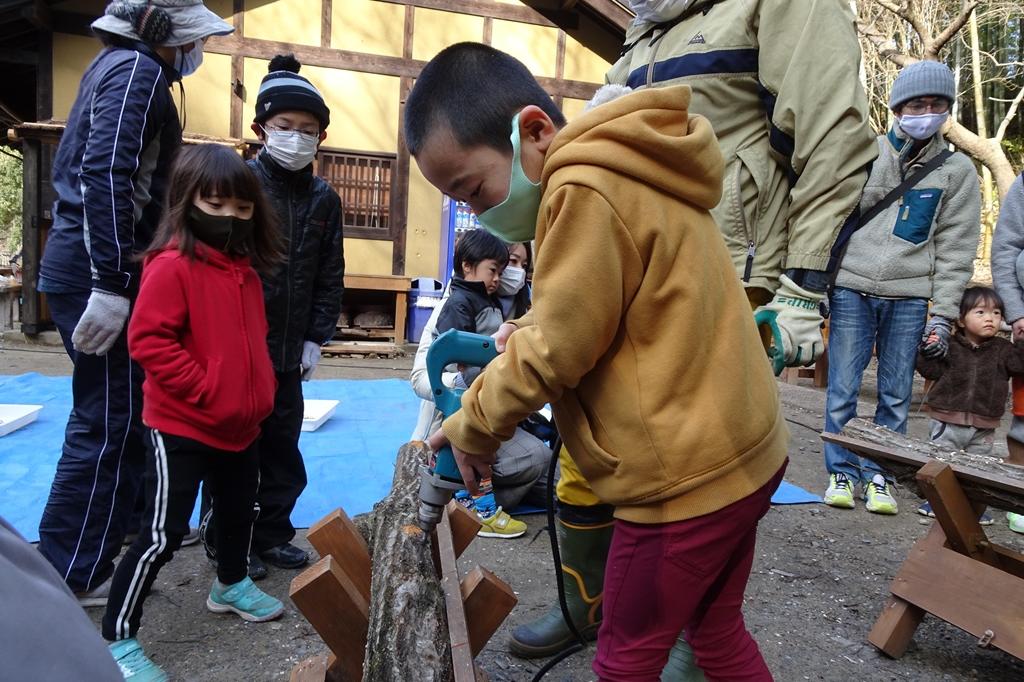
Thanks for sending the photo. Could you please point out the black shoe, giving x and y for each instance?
(257, 569)
(285, 556)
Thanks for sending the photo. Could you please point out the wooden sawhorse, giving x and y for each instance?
(955, 572)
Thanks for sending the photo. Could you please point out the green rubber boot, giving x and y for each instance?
(584, 535)
(681, 666)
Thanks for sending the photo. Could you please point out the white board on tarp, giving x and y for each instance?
(13, 417)
(316, 412)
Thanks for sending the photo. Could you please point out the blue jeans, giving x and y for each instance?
(857, 324)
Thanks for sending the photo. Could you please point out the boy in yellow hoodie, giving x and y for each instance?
(640, 337)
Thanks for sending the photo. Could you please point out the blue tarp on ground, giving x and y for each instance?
(349, 460)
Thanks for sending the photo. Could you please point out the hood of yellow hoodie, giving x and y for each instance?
(647, 135)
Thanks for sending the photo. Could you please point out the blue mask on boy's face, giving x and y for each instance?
(515, 219)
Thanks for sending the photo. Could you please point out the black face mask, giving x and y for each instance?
(222, 232)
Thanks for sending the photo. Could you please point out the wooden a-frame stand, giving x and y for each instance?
(334, 595)
(954, 572)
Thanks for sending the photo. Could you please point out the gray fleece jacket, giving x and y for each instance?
(1008, 251)
(923, 245)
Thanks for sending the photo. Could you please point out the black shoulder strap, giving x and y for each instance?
(901, 188)
(855, 222)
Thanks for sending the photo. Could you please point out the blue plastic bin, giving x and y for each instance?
(424, 296)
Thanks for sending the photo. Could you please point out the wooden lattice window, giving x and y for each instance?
(363, 180)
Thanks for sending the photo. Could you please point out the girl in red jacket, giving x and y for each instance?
(199, 332)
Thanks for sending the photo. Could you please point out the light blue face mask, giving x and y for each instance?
(515, 219)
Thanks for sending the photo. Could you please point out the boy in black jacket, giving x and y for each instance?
(303, 295)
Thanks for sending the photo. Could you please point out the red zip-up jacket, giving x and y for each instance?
(199, 331)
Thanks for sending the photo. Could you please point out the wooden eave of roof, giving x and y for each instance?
(51, 131)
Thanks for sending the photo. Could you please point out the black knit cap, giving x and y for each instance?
(283, 89)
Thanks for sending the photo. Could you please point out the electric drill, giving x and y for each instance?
(441, 478)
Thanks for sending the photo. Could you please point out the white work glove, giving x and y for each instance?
(798, 318)
(310, 359)
(101, 323)
(935, 339)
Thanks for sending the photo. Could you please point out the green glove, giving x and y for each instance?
(797, 324)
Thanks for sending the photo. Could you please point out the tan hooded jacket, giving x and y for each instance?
(642, 337)
(778, 80)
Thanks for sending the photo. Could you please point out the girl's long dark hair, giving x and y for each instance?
(215, 170)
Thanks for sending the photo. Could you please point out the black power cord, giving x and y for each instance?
(556, 556)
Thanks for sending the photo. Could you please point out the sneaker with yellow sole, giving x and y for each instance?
(1016, 522)
(501, 525)
(878, 499)
(840, 492)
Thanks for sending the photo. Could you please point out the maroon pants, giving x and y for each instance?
(662, 579)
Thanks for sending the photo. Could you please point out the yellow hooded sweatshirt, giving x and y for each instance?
(641, 337)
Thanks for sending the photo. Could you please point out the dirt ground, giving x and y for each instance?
(820, 578)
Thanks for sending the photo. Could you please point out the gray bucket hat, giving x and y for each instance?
(162, 22)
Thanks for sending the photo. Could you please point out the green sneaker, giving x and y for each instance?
(245, 599)
(501, 525)
(839, 492)
(132, 661)
(1016, 522)
(878, 498)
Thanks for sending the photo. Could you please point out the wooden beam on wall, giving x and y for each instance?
(488, 31)
(402, 67)
(44, 77)
(237, 73)
(399, 209)
(326, 17)
(481, 8)
(560, 64)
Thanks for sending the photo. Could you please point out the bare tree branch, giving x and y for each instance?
(1005, 123)
(885, 46)
(965, 13)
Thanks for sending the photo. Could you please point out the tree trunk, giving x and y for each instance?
(980, 118)
(408, 637)
(983, 478)
(985, 152)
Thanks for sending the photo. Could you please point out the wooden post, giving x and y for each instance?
(31, 235)
(956, 515)
(336, 609)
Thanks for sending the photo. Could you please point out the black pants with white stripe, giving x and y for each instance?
(100, 469)
(282, 471)
(174, 468)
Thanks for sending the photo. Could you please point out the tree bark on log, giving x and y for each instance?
(408, 637)
(983, 478)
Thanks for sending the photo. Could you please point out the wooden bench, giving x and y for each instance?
(396, 290)
(955, 572)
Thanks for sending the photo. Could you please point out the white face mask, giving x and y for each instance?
(187, 63)
(290, 148)
(922, 126)
(511, 281)
(658, 11)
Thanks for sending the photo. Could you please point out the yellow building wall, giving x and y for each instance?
(423, 228)
(368, 256)
(583, 65)
(572, 107)
(71, 55)
(367, 26)
(534, 46)
(208, 97)
(437, 30)
(287, 21)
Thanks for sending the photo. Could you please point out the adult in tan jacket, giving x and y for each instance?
(681, 431)
(778, 80)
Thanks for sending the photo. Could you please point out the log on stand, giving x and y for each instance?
(408, 632)
(984, 478)
(391, 606)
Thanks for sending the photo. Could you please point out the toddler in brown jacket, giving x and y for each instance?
(971, 382)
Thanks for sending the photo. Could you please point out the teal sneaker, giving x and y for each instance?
(132, 661)
(839, 492)
(245, 599)
(1016, 522)
(878, 499)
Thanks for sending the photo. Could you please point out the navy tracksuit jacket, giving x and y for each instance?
(110, 174)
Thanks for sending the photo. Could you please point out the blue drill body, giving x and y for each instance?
(441, 478)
